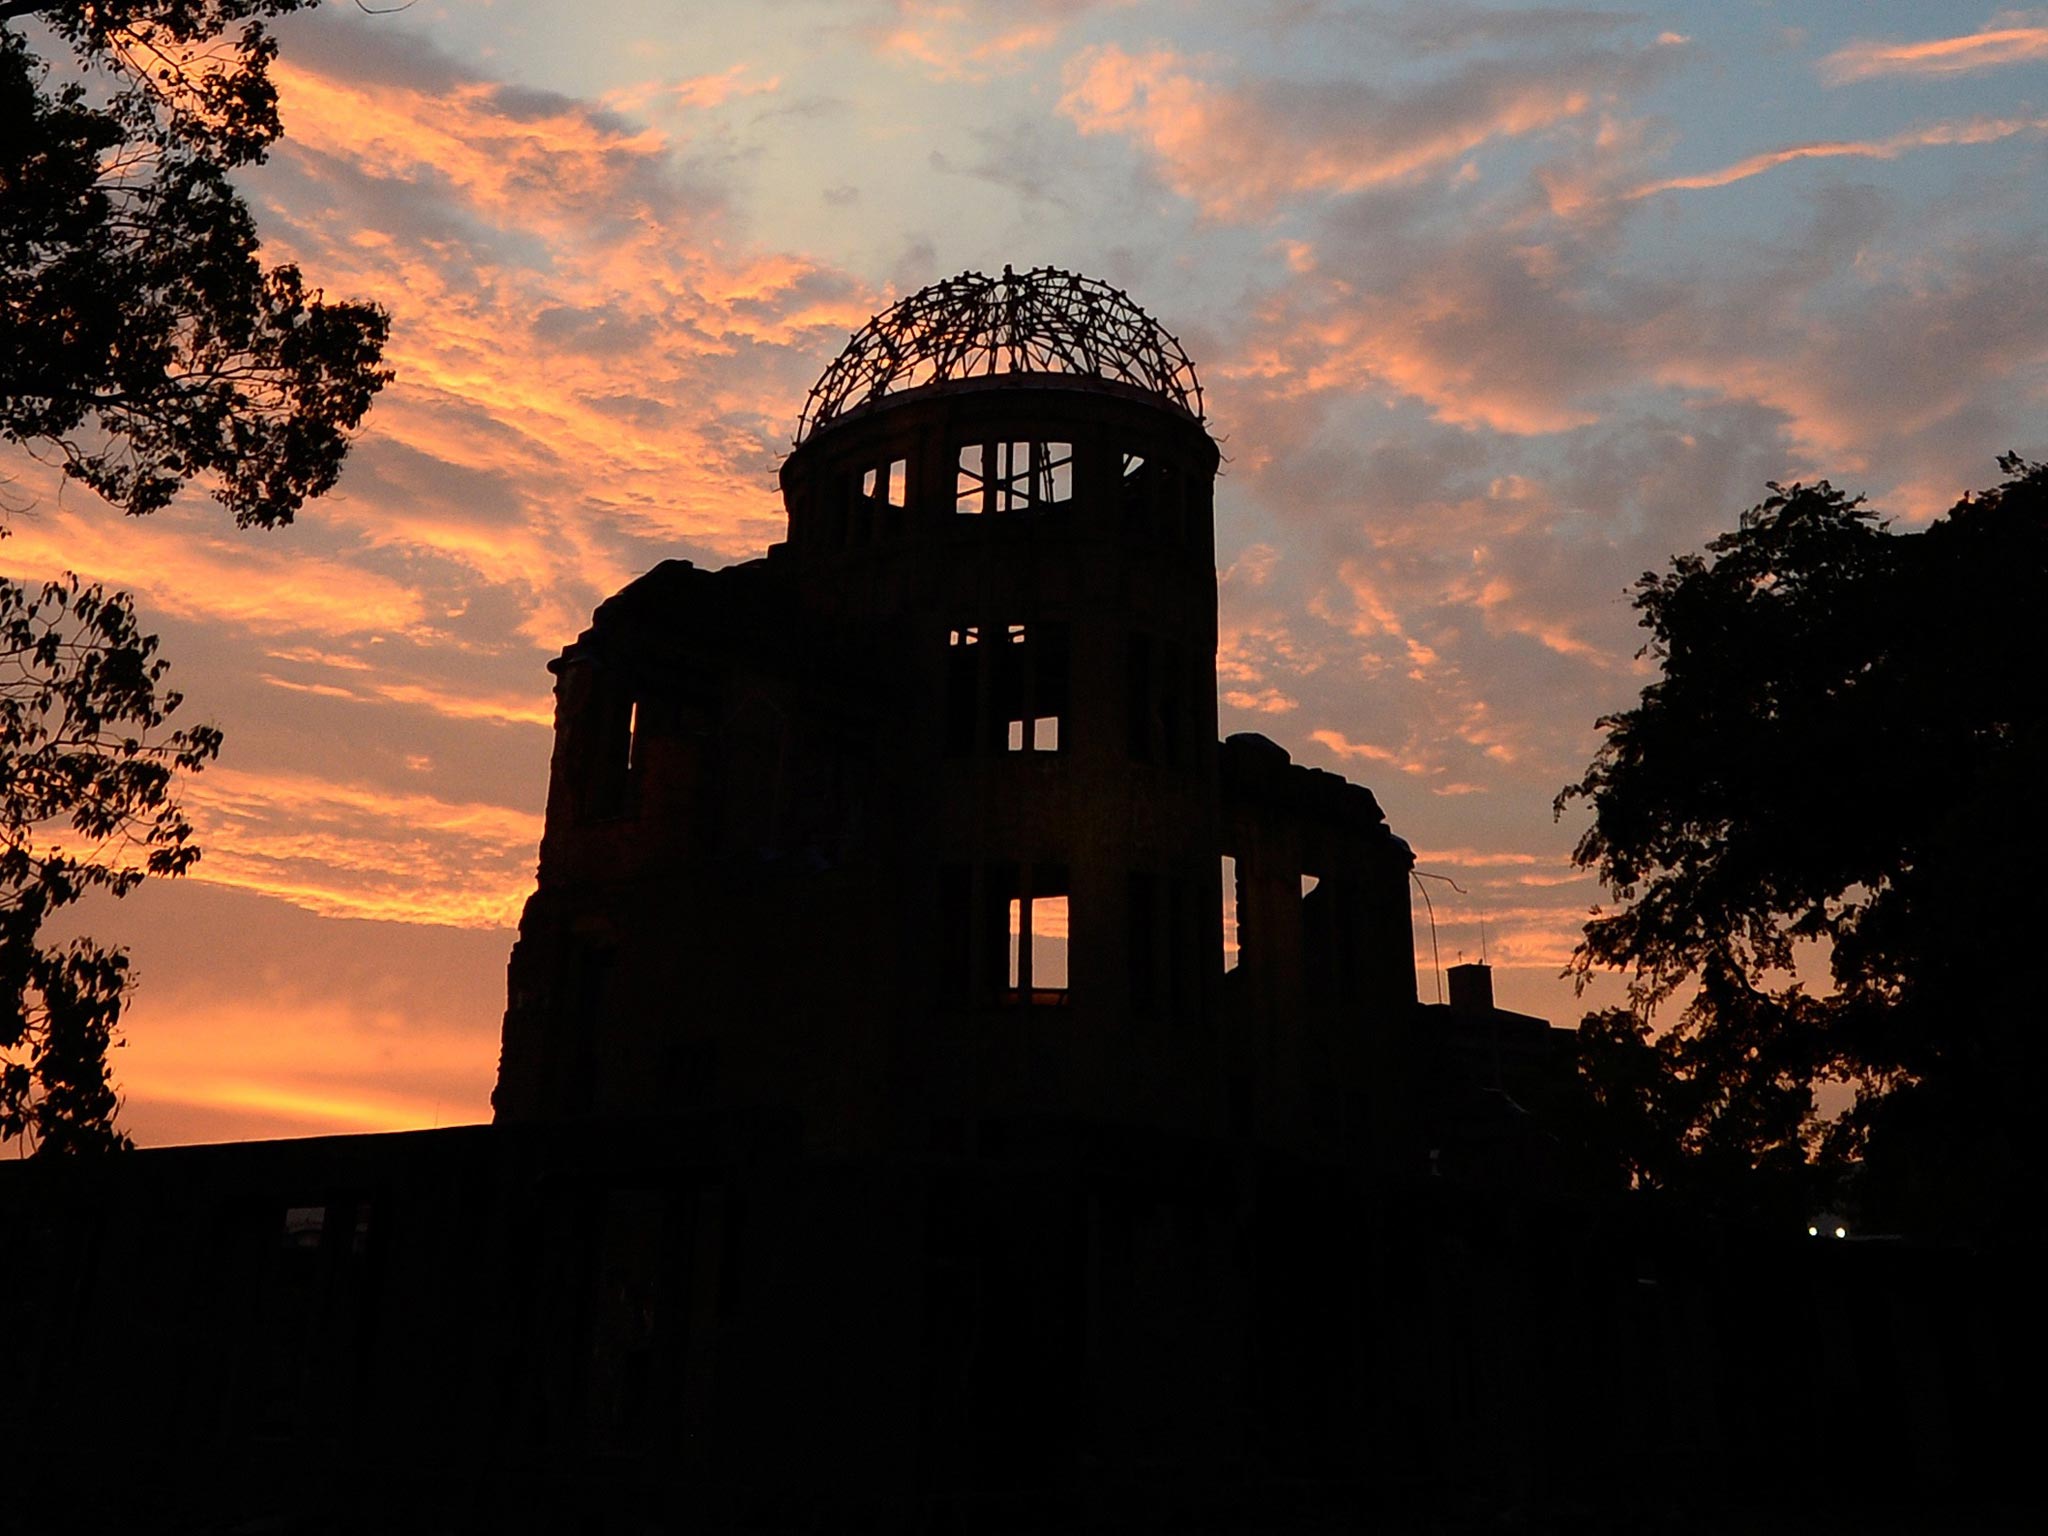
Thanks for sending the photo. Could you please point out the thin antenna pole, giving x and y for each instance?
(1436, 959)
(1435, 955)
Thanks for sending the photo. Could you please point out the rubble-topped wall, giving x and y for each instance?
(1324, 977)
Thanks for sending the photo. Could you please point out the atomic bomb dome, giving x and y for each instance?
(944, 1086)
(954, 743)
(971, 326)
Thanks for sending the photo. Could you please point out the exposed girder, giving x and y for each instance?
(1041, 321)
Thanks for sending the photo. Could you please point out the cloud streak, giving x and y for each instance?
(1988, 48)
(593, 366)
(357, 851)
(186, 572)
(1976, 130)
(1236, 150)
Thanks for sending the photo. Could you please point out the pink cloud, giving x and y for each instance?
(972, 40)
(594, 368)
(1349, 750)
(1988, 48)
(1237, 150)
(699, 93)
(1980, 130)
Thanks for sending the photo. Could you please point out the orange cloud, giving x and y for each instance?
(1980, 130)
(587, 364)
(1266, 701)
(1507, 608)
(529, 708)
(353, 850)
(1474, 858)
(969, 42)
(1990, 48)
(186, 572)
(1248, 648)
(1348, 749)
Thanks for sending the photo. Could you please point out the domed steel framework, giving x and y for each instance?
(1044, 321)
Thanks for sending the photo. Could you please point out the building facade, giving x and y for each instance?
(951, 749)
(893, 1135)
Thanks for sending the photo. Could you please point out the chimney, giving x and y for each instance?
(1472, 988)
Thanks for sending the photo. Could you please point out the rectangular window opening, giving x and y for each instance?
(971, 484)
(608, 751)
(1137, 488)
(1024, 705)
(883, 485)
(1049, 936)
(1013, 477)
(1052, 473)
(304, 1226)
(1230, 950)
(1036, 943)
(963, 687)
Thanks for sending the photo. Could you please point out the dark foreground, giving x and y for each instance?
(641, 1329)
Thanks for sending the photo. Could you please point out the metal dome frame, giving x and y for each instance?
(1045, 321)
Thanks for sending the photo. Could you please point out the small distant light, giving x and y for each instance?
(1813, 1231)
(1841, 1231)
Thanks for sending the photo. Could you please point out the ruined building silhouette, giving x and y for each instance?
(891, 1135)
(921, 819)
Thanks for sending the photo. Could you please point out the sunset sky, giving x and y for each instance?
(1494, 307)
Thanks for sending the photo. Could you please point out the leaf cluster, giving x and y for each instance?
(86, 804)
(142, 339)
(1843, 749)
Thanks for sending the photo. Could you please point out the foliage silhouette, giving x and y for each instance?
(142, 340)
(1846, 748)
(85, 805)
(144, 344)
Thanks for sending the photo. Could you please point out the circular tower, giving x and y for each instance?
(913, 826)
(1012, 475)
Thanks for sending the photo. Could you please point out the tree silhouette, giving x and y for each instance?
(1846, 750)
(85, 805)
(142, 340)
(143, 345)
